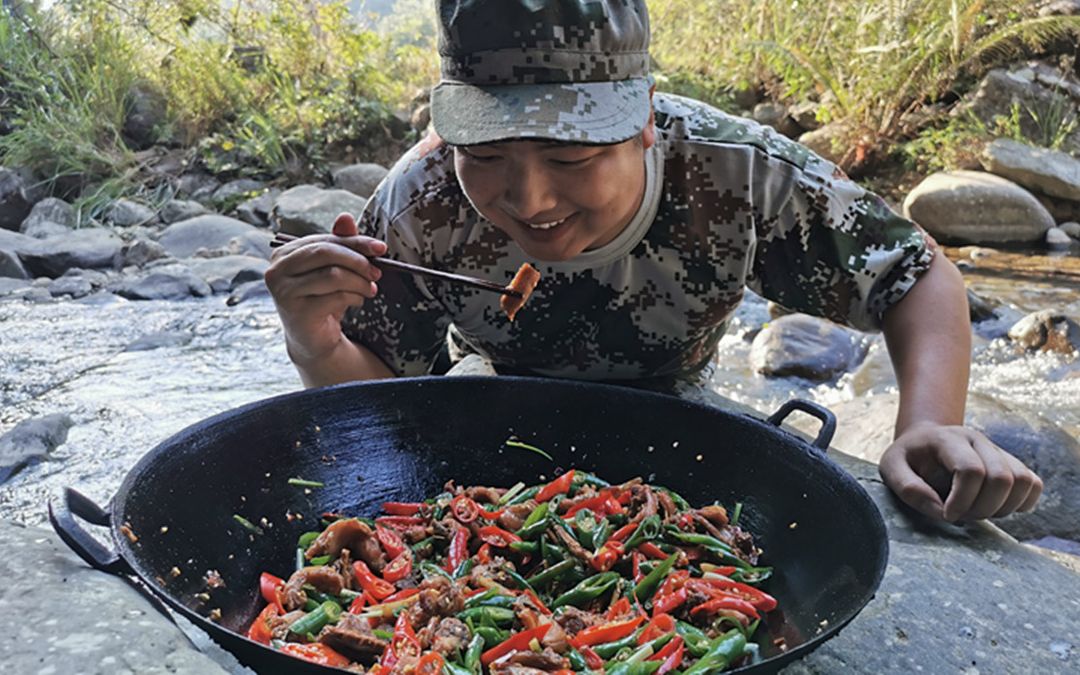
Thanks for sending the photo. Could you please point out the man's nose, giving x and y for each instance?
(529, 195)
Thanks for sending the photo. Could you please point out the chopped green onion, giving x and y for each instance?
(738, 512)
(511, 493)
(248, 525)
(300, 482)
(530, 448)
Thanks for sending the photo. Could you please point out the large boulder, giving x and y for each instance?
(256, 211)
(128, 213)
(168, 282)
(224, 274)
(32, 440)
(1036, 104)
(145, 110)
(1047, 331)
(798, 345)
(49, 210)
(1048, 172)
(184, 238)
(306, 209)
(87, 249)
(360, 179)
(976, 208)
(12, 246)
(16, 199)
(176, 210)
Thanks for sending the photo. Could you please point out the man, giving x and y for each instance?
(647, 215)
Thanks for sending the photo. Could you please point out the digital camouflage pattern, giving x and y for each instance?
(572, 70)
(728, 204)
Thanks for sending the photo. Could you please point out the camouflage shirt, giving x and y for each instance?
(729, 204)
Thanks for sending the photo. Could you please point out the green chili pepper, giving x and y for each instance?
(490, 598)
(518, 579)
(527, 547)
(609, 649)
(472, 653)
(711, 544)
(524, 496)
(500, 616)
(577, 661)
(491, 636)
(697, 642)
(633, 668)
(349, 595)
(585, 526)
(383, 634)
(751, 575)
(647, 586)
(538, 514)
(318, 596)
(431, 570)
(587, 590)
(586, 478)
(680, 503)
(313, 621)
(601, 534)
(424, 546)
(464, 567)
(722, 652)
(552, 553)
(306, 538)
(647, 530)
(550, 574)
(320, 560)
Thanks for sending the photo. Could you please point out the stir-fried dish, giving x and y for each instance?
(572, 575)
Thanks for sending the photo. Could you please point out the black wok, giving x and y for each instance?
(402, 440)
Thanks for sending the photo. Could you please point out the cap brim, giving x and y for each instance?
(588, 112)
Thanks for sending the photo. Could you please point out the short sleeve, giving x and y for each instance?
(833, 249)
(404, 324)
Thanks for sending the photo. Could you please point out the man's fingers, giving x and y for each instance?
(968, 473)
(997, 483)
(909, 486)
(325, 281)
(1033, 497)
(345, 226)
(311, 256)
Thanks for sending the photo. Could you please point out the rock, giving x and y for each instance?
(1060, 8)
(88, 249)
(360, 179)
(421, 118)
(92, 622)
(1062, 210)
(769, 113)
(830, 141)
(12, 286)
(16, 199)
(978, 308)
(224, 274)
(126, 213)
(979, 208)
(164, 338)
(248, 291)
(183, 239)
(1047, 331)
(236, 191)
(798, 345)
(1049, 172)
(197, 186)
(172, 282)
(49, 210)
(1071, 229)
(1001, 90)
(145, 109)
(44, 229)
(138, 253)
(256, 211)
(1057, 544)
(805, 115)
(176, 210)
(1057, 239)
(32, 440)
(306, 209)
(865, 427)
(75, 286)
(11, 266)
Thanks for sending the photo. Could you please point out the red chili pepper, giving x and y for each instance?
(674, 656)
(391, 541)
(270, 588)
(660, 624)
(260, 630)
(400, 522)
(399, 568)
(514, 643)
(459, 549)
(316, 652)
(403, 642)
(598, 635)
(430, 664)
(623, 532)
(665, 604)
(559, 486)
(483, 556)
(726, 602)
(609, 554)
(564, 671)
(635, 566)
(602, 504)
(496, 536)
(620, 607)
(492, 515)
(537, 601)
(401, 595)
(378, 588)
(758, 598)
(402, 508)
(592, 659)
(652, 550)
(360, 602)
(464, 509)
(685, 521)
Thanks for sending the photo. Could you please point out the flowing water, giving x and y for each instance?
(73, 357)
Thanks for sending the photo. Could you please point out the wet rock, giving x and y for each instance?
(1047, 331)
(75, 286)
(236, 191)
(1058, 240)
(100, 298)
(176, 210)
(11, 266)
(16, 199)
(84, 621)
(248, 290)
(306, 209)
(138, 253)
(127, 213)
(165, 338)
(32, 440)
(197, 186)
(256, 211)
(1042, 170)
(1072, 229)
(360, 179)
(978, 308)
(975, 207)
(865, 428)
(44, 229)
(183, 239)
(227, 272)
(798, 345)
(49, 210)
(145, 114)
(89, 249)
(171, 282)
(12, 286)
(1057, 544)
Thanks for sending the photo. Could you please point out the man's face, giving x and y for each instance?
(556, 200)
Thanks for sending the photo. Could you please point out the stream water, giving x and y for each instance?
(82, 358)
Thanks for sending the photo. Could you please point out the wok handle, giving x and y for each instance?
(62, 515)
(828, 420)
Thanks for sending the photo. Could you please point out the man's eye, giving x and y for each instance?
(481, 158)
(567, 161)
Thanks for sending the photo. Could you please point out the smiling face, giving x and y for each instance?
(556, 199)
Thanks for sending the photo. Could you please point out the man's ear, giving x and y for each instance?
(648, 134)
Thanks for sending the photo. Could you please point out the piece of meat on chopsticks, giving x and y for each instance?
(524, 282)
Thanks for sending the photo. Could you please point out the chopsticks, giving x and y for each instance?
(281, 238)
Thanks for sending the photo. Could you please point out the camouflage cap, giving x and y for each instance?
(568, 70)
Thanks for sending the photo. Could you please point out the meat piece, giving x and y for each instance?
(546, 660)
(524, 282)
(279, 625)
(438, 597)
(349, 534)
(484, 495)
(574, 620)
(576, 549)
(352, 635)
(710, 528)
(715, 514)
(643, 501)
(451, 635)
(513, 516)
(507, 668)
(323, 578)
(555, 639)
(667, 505)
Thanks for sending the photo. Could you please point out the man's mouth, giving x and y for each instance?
(546, 226)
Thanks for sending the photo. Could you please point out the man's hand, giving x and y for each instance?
(929, 463)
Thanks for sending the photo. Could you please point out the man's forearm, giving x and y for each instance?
(929, 338)
(348, 362)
